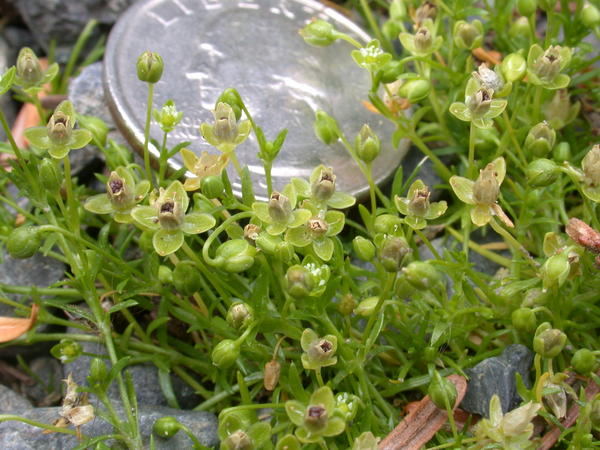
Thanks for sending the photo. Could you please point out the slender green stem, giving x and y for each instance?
(15, 147)
(513, 242)
(147, 132)
(162, 168)
(369, 175)
(268, 165)
(205, 249)
(364, 4)
(391, 277)
(236, 163)
(348, 39)
(72, 205)
(441, 168)
(472, 170)
(45, 426)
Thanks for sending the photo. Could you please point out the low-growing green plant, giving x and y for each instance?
(320, 311)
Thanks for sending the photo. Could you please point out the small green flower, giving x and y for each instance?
(366, 441)
(321, 189)
(167, 218)
(225, 134)
(316, 419)
(30, 76)
(483, 193)
(317, 231)
(122, 194)
(468, 35)
(58, 137)
(540, 139)
(318, 352)
(417, 208)
(544, 67)
(240, 430)
(167, 117)
(479, 107)
(424, 42)
(371, 57)
(590, 164)
(511, 430)
(279, 212)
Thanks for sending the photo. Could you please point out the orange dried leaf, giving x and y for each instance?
(423, 421)
(488, 56)
(12, 327)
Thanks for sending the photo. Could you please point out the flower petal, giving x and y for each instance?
(167, 241)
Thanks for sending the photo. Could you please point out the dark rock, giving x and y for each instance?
(48, 375)
(11, 401)
(144, 376)
(6, 104)
(497, 376)
(20, 436)
(64, 21)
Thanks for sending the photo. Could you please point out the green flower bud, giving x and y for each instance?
(556, 270)
(367, 144)
(584, 361)
(562, 152)
(590, 16)
(299, 281)
(186, 278)
(540, 139)
(280, 208)
(96, 126)
(235, 255)
(547, 5)
(319, 33)
(423, 40)
(51, 176)
(347, 405)
(166, 427)
(397, 10)
(326, 127)
(392, 252)
(167, 117)
(364, 248)
(347, 304)
(387, 223)
(67, 350)
(165, 275)
(422, 275)
(29, 68)
(513, 67)
(415, 89)
(212, 186)
(519, 28)
(367, 306)
(542, 172)
(548, 342)
(230, 97)
(526, 7)
(403, 288)
(23, 242)
(394, 68)
(468, 35)
(98, 372)
(225, 353)
(523, 319)
(390, 29)
(238, 440)
(240, 315)
(149, 67)
(323, 186)
(442, 392)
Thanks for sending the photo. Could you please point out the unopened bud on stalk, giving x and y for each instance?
(513, 67)
(542, 172)
(584, 361)
(523, 319)
(561, 152)
(229, 97)
(319, 33)
(367, 306)
(212, 186)
(548, 342)
(149, 67)
(186, 278)
(387, 223)
(165, 275)
(51, 176)
(540, 139)
(29, 68)
(235, 255)
(240, 315)
(442, 392)
(415, 89)
(23, 242)
(398, 10)
(392, 252)
(347, 304)
(326, 128)
(364, 248)
(280, 208)
(556, 270)
(299, 281)
(166, 427)
(367, 144)
(323, 186)
(225, 353)
(468, 35)
(422, 275)
(519, 28)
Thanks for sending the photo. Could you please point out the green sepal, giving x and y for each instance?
(79, 138)
(99, 204)
(122, 217)
(436, 209)
(335, 220)
(341, 200)
(146, 216)
(298, 237)
(302, 187)
(141, 189)
(323, 248)
(335, 426)
(166, 242)
(460, 111)
(416, 223)
(295, 411)
(299, 217)
(38, 136)
(49, 74)
(593, 193)
(275, 229)
(195, 223)
(261, 210)
(463, 188)
(58, 152)
(308, 337)
(496, 108)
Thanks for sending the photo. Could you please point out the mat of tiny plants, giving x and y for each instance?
(314, 319)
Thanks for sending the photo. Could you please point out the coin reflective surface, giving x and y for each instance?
(253, 46)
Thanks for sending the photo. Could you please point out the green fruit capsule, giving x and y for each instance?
(149, 67)
(186, 278)
(442, 392)
(166, 427)
(415, 90)
(23, 242)
(526, 7)
(542, 172)
(225, 353)
(51, 175)
(584, 361)
(212, 186)
(523, 319)
(364, 248)
(326, 128)
(422, 275)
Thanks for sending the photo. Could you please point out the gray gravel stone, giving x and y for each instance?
(6, 104)
(20, 436)
(11, 401)
(497, 376)
(144, 376)
(47, 390)
(64, 21)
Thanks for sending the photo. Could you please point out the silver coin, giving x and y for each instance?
(253, 46)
